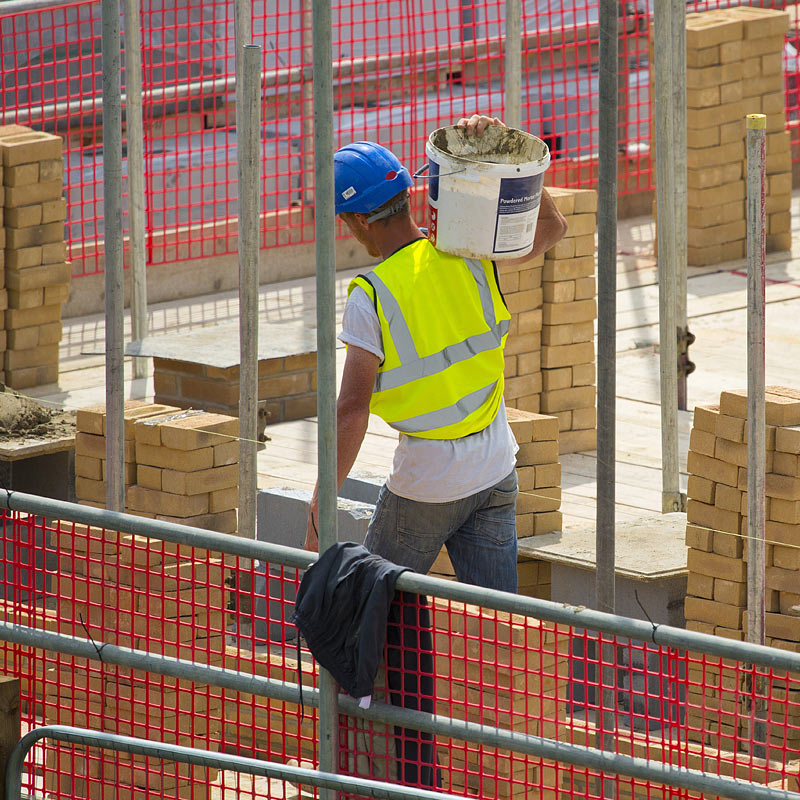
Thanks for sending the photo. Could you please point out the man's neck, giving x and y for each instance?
(395, 236)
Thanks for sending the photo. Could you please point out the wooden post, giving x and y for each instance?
(10, 731)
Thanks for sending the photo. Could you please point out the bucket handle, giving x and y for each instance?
(425, 167)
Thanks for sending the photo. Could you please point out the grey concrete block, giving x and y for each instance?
(362, 487)
(281, 519)
(283, 513)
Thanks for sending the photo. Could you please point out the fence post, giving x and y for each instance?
(513, 64)
(666, 149)
(678, 115)
(248, 148)
(756, 405)
(134, 133)
(112, 211)
(10, 729)
(606, 368)
(325, 229)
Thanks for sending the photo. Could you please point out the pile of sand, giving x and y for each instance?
(24, 418)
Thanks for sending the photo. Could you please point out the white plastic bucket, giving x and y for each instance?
(484, 192)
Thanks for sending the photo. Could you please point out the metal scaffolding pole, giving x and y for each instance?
(134, 133)
(666, 158)
(607, 306)
(324, 219)
(678, 115)
(513, 64)
(756, 401)
(249, 174)
(606, 363)
(243, 33)
(112, 248)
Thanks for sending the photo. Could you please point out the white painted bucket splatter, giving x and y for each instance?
(484, 193)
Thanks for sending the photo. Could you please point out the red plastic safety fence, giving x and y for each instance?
(401, 69)
(516, 673)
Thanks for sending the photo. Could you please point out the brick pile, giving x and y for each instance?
(734, 68)
(180, 466)
(90, 448)
(187, 470)
(569, 310)
(538, 473)
(716, 524)
(550, 359)
(36, 274)
(522, 289)
(145, 599)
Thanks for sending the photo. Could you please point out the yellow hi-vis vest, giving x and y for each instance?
(444, 324)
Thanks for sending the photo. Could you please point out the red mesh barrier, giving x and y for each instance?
(487, 667)
(400, 69)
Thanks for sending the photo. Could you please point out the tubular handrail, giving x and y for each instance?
(680, 777)
(560, 613)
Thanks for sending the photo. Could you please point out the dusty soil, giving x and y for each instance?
(24, 418)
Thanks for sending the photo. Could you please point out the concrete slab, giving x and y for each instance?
(647, 549)
(218, 345)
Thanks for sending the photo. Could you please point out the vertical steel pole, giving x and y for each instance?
(134, 132)
(112, 221)
(249, 175)
(665, 103)
(513, 64)
(243, 34)
(326, 341)
(307, 106)
(756, 401)
(678, 47)
(606, 362)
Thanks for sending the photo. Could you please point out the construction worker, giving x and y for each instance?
(425, 333)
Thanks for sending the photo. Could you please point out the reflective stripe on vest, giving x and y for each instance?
(412, 367)
(443, 417)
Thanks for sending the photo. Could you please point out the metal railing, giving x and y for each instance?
(439, 725)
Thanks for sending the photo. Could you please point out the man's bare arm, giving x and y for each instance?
(352, 417)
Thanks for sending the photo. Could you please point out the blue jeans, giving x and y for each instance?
(479, 532)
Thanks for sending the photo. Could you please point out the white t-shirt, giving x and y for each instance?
(434, 470)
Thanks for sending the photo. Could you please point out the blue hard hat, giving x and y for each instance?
(366, 175)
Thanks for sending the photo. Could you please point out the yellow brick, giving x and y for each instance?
(163, 503)
(539, 500)
(534, 453)
(559, 335)
(223, 500)
(169, 458)
(713, 76)
(38, 276)
(701, 489)
(148, 477)
(200, 481)
(24, 148)
(567, 355)
(88, 467)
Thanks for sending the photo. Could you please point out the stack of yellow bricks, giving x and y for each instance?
(187, 469)
(90, 448)
(522, 289)
(538, 473)
(716, 526)
(180, 466)
(569, 310)
(734, 60)
(549, 354)
(36, 273)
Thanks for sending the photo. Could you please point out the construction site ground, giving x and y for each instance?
(717, 309)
